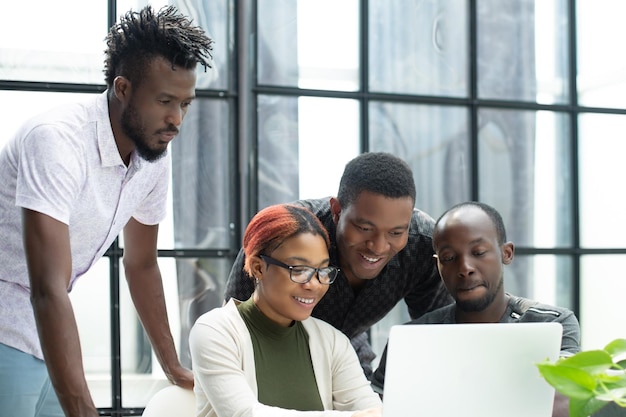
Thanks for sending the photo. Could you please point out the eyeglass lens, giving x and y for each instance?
(303, 274)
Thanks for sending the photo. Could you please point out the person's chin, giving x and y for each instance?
(471, 301)
(153, 155)
(367, 274)
(300, 316)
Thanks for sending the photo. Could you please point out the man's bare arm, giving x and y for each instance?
(146, 288)
(47, 246)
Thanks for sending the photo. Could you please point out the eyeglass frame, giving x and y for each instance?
(271, 261)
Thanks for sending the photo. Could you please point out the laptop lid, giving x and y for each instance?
(481, 370)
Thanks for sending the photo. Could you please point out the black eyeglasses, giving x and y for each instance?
(302, 274)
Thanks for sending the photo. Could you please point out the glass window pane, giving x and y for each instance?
(140, 369)
(523, 166)
(300, 157)
(601, 176)
(602, 315)
(201, 195)
(546, 278)
(216, 18)
(192, 286)
(308, 43)
(201, 284)
(91, 301)
(213, 16)
(379, 332)
(419, 47)
(433, 140)
(55, 41)
(601, 78)
(522, 50)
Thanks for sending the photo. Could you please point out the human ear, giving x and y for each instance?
(335, 209)
(508, 253)
(121, 88)
(257, 267)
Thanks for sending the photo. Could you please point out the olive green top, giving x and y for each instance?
(284, 370)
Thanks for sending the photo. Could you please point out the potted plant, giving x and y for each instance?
(591, 379)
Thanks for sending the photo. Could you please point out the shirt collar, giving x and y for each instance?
(109, 154)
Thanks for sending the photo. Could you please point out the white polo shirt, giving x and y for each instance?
(65, 164)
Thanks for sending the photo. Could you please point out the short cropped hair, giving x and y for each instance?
(142, 36)
(491, 212)
(379, 173)
(270, 227)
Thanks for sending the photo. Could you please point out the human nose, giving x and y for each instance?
(378, 244)
(466, 268)
(175, 116)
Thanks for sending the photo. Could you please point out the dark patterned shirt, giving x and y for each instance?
(410, 275)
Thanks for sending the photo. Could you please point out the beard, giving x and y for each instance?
(132, 127)
(478, 305)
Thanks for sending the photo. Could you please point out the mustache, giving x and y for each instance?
(169, 129)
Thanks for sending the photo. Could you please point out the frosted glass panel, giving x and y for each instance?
(308, 44)
(603, 312)
(601, 64)
(601, 174)
(523, 50)
(419, 47)
(523, 161)
(55, 41)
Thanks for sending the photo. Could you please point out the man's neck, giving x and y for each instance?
(124, 144)
(355, 283)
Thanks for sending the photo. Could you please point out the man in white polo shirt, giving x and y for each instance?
(72, 180)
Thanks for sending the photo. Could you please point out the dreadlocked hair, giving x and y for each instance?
(141, 36)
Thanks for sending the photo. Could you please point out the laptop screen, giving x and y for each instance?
(482, 370)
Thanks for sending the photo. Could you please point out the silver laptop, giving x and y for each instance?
(469, 370)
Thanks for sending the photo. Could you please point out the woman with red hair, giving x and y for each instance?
(267, 356)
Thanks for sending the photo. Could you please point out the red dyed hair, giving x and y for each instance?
(270, 227)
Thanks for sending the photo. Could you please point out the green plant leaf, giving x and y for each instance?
(616, 379)
(591, 379)
(612, 394)
(591, 361)
(584, 408)
(616, 347)
(569, 381)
